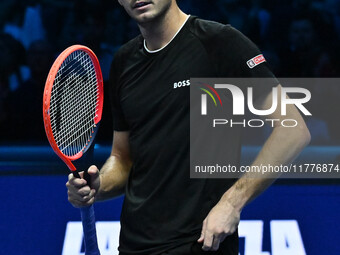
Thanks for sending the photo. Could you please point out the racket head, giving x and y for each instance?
(73, 102)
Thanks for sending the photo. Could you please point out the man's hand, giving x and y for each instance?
(79, 193)
(221, 222)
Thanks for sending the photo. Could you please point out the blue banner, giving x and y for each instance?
(36, 218)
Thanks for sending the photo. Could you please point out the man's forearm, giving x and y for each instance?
(113, 177)
(281, 148)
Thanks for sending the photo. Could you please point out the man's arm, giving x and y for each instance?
(115, 171)
(281, 148)
(106, 183)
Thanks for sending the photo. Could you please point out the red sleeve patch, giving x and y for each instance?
(256, 61)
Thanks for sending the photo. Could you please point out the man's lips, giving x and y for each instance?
(140, 4)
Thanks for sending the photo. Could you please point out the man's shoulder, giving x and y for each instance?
(207, 28)
(130, 47)
(217, 36)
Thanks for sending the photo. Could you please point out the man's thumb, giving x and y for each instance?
(93, 181)
(93, 171)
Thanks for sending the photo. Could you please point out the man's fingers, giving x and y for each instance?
(79, 193)
(216, 243)
(200, 240)
(208, 241)
(90, 195)
(79, 200)
(71, 175)
(79, 204)
(76, 182)
(204, 226)
(84, 191)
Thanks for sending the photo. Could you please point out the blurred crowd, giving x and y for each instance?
(299, 38)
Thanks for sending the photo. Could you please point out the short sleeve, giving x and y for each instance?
(119, 121)
(248, 58)
(245, 60)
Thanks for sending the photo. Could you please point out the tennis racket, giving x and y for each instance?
(72, 109)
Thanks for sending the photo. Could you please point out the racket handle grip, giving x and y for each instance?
(76, 174)
(89, 228)
(86, 176)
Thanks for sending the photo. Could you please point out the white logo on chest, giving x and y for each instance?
(180, 84)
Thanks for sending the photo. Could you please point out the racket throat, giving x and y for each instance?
(69, 164)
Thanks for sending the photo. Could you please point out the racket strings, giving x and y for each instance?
(75, 110)
(79, 128)
(71, 66)
(75, 128)
(83, 98)
(74, 100)
(75, 67)
(70, 94)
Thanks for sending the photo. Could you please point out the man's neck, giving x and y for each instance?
(159, 33)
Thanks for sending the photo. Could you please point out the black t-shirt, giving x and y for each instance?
(163, 207)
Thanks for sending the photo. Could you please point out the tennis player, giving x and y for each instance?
(164, 211)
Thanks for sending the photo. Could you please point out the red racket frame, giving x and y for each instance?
(47, 97)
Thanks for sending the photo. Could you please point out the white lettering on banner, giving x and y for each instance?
(252, 231)
(73, 239)
(107, 236)
(285, 237)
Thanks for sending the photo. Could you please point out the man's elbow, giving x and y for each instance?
(299, 136)
(303, 135)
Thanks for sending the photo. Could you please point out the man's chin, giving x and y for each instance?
(144, 18)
